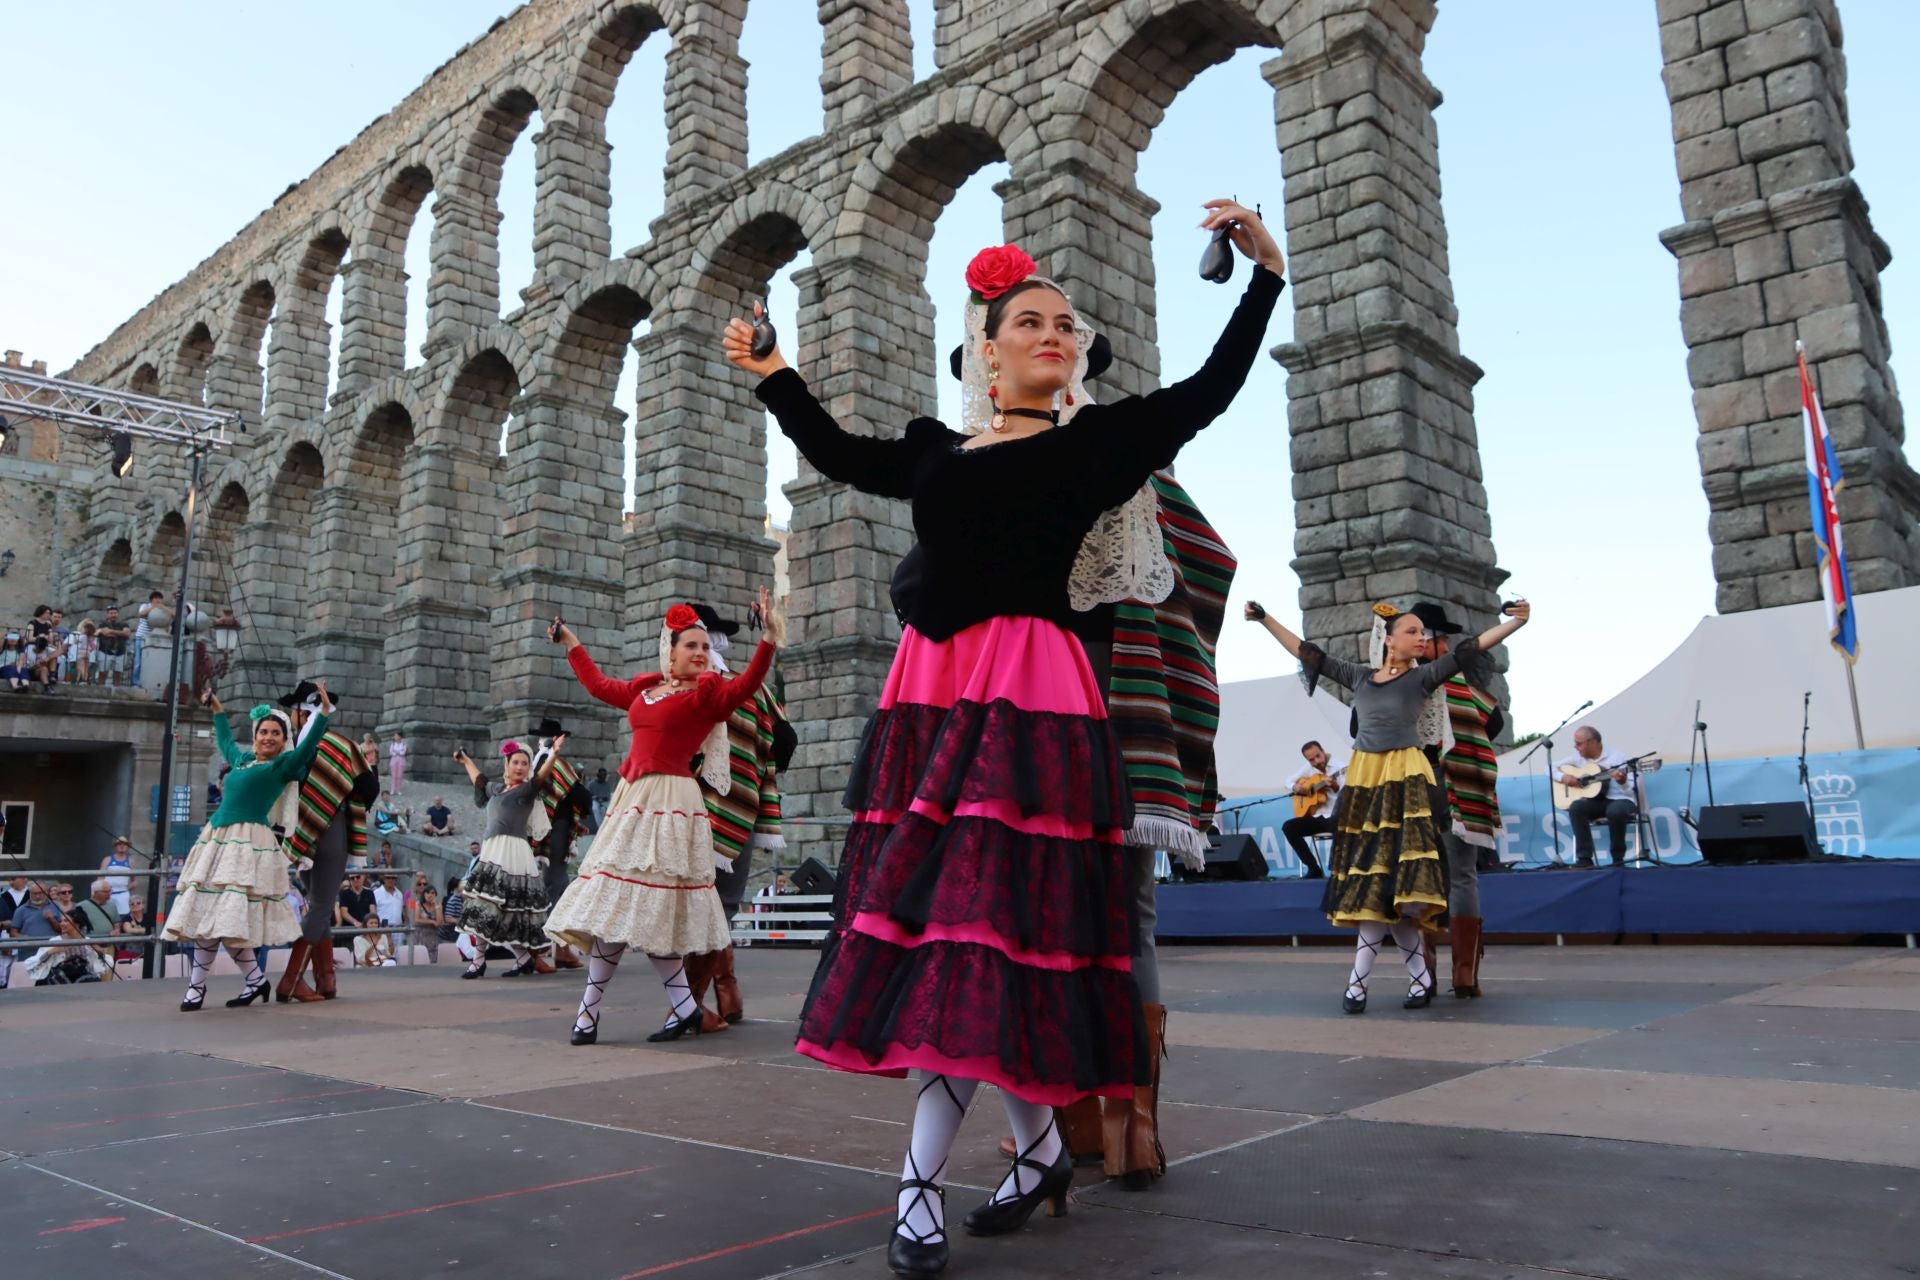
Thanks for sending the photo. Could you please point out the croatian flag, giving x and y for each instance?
(1823, 486)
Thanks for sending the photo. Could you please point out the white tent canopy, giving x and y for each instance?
(1747, 670)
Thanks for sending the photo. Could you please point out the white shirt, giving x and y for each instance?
(1608, 760)
(390, 907)
(1338, 772)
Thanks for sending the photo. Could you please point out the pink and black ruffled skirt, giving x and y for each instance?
(983, 916)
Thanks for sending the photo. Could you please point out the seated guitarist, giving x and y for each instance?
(1615, 805)
(1315, 788)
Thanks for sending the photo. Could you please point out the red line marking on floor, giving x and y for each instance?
(129, 1088)
(755, 1244)
(83, 1224)
(451, 1204)
(195, 1111)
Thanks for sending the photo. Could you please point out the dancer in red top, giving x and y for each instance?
(648, 880)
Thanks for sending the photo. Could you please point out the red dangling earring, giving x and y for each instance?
(999, 420)
(1069, 399)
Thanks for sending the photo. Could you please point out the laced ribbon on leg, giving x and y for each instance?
(673, 976)
(203, 956)
(248, 958)
(1037, 1137)
(1366, 947)
(937, 1114)
(1406, 936)
(601, 962)
(479, 950)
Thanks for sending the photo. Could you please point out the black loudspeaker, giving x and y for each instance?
(1757, 833)
(811, 876)
(1235, 857)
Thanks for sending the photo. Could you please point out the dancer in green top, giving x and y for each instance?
(233, 889)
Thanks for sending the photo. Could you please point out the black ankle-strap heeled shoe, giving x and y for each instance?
(689, 1025)
(915, 1254)
(591, 1034)
(251, 994)
(998, 1217)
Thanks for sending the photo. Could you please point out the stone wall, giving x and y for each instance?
(1778, 248)
(377, 539)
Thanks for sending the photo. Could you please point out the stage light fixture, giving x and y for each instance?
(122, 454)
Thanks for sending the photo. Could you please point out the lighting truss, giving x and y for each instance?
(25, 396)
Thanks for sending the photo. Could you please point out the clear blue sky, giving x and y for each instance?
(150, 148)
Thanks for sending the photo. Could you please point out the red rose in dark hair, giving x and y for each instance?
(994, 271)
(682, 616)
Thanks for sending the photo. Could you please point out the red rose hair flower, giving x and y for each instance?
(994, 271)
(682, 616)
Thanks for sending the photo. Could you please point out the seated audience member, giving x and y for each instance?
(439, 818)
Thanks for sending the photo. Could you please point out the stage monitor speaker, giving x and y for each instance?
(1235, 857)
(1757, 833)
(812, 876)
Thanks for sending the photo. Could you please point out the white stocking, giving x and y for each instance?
(937, 1114)
(673, 975)
(475, 951)
(1036, 1137)
(1371, 934)
(601, 962)
(1413, 949)
(248, 958)
(203, 957)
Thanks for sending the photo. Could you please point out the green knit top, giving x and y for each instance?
(254, 786)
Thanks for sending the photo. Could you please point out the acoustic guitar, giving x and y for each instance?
(1593, 780)
(1305, 802)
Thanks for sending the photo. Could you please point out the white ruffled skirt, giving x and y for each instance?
(233, 890)
(648, 879)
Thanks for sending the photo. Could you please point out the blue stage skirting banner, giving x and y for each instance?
(1827, 897)
(1863, 807)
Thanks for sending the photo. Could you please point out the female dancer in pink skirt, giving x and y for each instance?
(983, 922)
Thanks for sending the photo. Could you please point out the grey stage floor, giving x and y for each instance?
(1658, 1112)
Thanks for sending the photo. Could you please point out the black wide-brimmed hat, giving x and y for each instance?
(547, 728)
(711, 622)
(1435, 619)
(303, 694)
(1099, 357)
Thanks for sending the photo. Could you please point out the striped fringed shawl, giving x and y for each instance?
(749, 814)
(562, 779)
(336, 764)
(1472, 777)
(1165, 693)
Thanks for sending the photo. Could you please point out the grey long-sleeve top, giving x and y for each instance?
(1389, 713)
(509, 810)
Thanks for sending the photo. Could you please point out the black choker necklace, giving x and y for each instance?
(1000, 416)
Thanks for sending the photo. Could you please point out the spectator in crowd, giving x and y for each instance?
(601, 792)
(60, 633)
(40, 626)
(385, 857)
(12, 898)
(439, 818)
(81, 645)
(144, 628)
(387, 819)
(38, 917)
(473, 853)
(116, 867)
(370, 748)
(450, 913)
(97, 917)
(426, 917)
(135, 923)
(356, 910)
(390, 905)
(397, 763)
(15, 670)
(112, 637)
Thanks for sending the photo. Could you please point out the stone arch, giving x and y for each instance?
(162, 556)
(606, 45)
(922, 158)
(297, 350)
(589, 344)
(229, 511)
(379, 446)
(145, 380)
(373, 307)
(1133, 65)
(485, 375)
(759, 233)
(191, 362)
(240, 380)
(465, 286)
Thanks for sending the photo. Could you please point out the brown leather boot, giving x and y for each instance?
(542, 962)
(699, 969)
(566, 958)
(293, 984)
(726, 989)
(1130, 1127)
(1467, 950)
(323, 968)
(1080, 1129)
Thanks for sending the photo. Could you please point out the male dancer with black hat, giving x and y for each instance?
(744, 819)
(568, 803)
(324, 818)
(1466, 804)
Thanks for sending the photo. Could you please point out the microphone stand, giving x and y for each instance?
(1546, 765)
(1806, 779)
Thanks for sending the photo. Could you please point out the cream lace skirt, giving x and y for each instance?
(648, 879)
(233, 889)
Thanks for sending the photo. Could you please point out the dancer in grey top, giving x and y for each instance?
(506, 899)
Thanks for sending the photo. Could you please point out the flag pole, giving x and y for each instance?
(1816, 441)
(1853, 696)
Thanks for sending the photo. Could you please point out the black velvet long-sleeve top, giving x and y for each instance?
(1000, 524)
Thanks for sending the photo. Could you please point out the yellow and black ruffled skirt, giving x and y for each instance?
(1386, 859)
